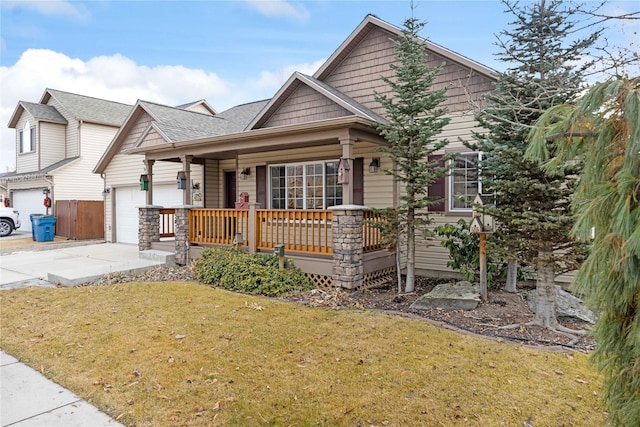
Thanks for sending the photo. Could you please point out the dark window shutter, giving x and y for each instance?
(261, 186)
(358, 181)
(437, 190)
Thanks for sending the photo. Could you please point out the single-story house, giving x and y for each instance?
(272, 172)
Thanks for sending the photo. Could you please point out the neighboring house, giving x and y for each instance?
(310, 147)
(58, 141)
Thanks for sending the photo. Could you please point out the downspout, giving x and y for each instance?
(78, 145)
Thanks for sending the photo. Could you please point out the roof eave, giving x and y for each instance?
(262, 133)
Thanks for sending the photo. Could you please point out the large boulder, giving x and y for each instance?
(450, 296)
(567, 305)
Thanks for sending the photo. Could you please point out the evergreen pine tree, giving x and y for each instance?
(603, 128)
(415, 118)
(531, 207)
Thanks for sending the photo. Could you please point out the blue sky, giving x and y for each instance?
(227, 52)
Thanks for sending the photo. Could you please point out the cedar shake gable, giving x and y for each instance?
(356, 68)
(305, 99)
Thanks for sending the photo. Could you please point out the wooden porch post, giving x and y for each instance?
(253, 227)
(149, 167)
(186, 167)
(347, 153)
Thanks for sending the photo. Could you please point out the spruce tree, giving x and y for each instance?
(415, 118)
(603, 128)
(531, 207)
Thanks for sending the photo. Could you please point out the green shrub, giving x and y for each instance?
(464, 252)
(250, 273)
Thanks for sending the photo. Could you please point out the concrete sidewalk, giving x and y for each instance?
(28, 399)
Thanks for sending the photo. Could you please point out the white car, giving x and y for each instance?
(9, 221)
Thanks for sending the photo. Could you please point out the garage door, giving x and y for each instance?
(28, 202)
(128, 199)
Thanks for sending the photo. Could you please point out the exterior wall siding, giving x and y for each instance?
(72, 147)
(359, 75)
(95, 139)
(50, 143)
(26, 162)
(305, 105)
(212, 184)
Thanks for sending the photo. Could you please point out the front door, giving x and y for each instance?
(230, 196)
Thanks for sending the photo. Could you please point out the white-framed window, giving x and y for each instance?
(310, 185)
(27, 138)
(464, 181)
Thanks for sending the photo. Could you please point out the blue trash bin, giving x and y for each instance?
(44, 227)
(33, 225)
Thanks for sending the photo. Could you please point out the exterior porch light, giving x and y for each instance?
(374, 165)
(245, 173)
(144, 182)
(181, 180)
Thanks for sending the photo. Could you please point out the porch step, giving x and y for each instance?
(168, 258)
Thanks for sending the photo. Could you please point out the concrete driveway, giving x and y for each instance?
(67, 263)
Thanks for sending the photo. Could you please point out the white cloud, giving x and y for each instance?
(118, 78)
(272, 81)
(280, 8)
(74, 10)
(115, 78)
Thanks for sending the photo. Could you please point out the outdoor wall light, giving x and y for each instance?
(245, 173)
(374, 165)
(106, 191)
(181, 180)
(144, 182)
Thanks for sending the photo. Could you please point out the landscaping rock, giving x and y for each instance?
(567, 305)
(450, 296)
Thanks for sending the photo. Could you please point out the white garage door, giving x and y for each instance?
(128, 199)
(28, 202)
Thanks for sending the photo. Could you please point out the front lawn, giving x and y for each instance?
(173, 353)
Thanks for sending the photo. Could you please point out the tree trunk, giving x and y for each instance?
(545, 291)
(398, 269)
(411, 251)
(512, 276)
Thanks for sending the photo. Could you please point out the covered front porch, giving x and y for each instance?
(333, 247)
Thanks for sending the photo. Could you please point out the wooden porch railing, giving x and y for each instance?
(371, 236)
(300, 231)
(167, 222)
(218, 226)
(307, 231)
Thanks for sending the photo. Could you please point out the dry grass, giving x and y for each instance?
(165, 354)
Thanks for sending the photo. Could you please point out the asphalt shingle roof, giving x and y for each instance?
(183, 125)
(92, 109)
(42, 112)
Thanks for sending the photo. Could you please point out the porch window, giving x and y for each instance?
(464, 182)
(305, 186)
